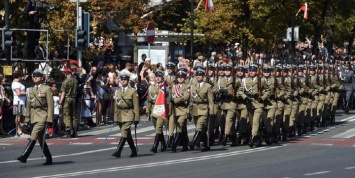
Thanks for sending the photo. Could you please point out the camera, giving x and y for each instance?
(41, 6)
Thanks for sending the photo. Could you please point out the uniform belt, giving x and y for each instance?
(68, 96)
(125, 108)
(43, 108)
(200, 102)
(253, 95)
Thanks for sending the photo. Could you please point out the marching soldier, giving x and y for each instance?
(279, 97)
(202, 108)
(126, 114)
(212, 79)
(304, 95)
(326, 107)
(314, 96)
(270, 105)
(158, 120)
(40, 110)
(67, 102)
(288, 99)
(321, 94)
(228, 106)
(254, 99)
(347, 75)
(241, 111)
(295, 101)
(335, 88)
(180, 98)
(171, 79)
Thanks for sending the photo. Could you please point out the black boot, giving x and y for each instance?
(216, 133)
(195, 140)
(47, 153)
(120, 145)
(284, 135)
(275, 137)
(311, 127)
(74, 133)
(27, 152)
(268, 138)
(156, 143)
(185, 142)
(251, 141)
(163, 144)
(291, 131)
(67, 134)
(224, 140)
(332, 119)
(234, 140)
(239, 139)
(170, 141)
(300, 130)
(176, 142)
(132, 147)
(206, 147)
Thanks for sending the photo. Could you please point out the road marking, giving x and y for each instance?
(81, 143)
(322, 132)
(98, 132)
(189, 127)
(348, 118)
(47, 143)
(326, 130)
(109, 138)
(322, 144)
(163, 163)
(348, 168)
(306, 136)
(313, 134)
(317, 173)
(352, 120)
(5, 144)
(145, 129)
(347, 134)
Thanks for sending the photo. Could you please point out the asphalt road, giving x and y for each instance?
(326, 152)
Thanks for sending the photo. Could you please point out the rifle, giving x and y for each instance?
(306, 88)
(259, 81)
(233, 82)
(275, 82)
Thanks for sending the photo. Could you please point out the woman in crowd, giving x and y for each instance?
(2, 99)
(19, 93)
(101, 85)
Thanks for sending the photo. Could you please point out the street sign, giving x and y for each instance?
(289, 34)
(7, 70)
(150, 32)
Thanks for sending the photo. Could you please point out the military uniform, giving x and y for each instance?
(304, 100)
(214, 125)
(170, 124)
(288, 103)
(295, 102)
(126, 110)
(241, 110)
(69, 90)
(347, 75)
(157, 119)
(250, 93)
(228, 106)
(279, 97)
(40, 109)
(314, 80)
(202, 107)
(180, 99)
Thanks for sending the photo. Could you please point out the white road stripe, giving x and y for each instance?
(348, 168)
(316, 173)
(322, 144)
(5, 144)
(189, 127)
(109, 138)
(47, 143)
(141, 130)
(347, 134)
(348, 118)
(89, 143)
(162, 163)
(352, 120)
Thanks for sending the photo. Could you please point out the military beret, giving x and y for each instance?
(68, 71)
(181, 73)
(200, 72)
(37, 72)
(159, 73)
(170, 65)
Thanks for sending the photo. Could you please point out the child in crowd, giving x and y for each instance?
(86, 112)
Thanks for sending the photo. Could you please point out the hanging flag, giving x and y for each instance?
(209, 5)
(159, 108)
(304, 8)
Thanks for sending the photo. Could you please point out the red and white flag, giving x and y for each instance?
(209, 5)
(159, 108)
(304, 8)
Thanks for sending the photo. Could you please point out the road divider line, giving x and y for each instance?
(89, 143)
(322, 144)
(348, 118)
(348, 168)
(317, 173)
(163, 163)
(347, 134)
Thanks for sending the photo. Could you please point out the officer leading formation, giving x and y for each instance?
(241, 104)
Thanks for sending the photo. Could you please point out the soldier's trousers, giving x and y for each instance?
(255, 115)
(287, 114)
(294, 112)
(278, 117)
(221, 120)
(38, 131)
(242, 115)
(268, 119)
(348, 95)
(335, 102)
(172, 125)
(229, 116)
(314, 108)
(125, 128)
(201, 123)
(302, 114)
(69, 116)
(158, 123)
(179, 123)
(320, 106)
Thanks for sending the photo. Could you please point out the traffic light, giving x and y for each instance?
(7, 43)
(83, 35)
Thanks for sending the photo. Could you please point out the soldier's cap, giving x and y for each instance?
(200, 72)
(312, 67)
(125, 76)
(210, 67)
(227, 67)
(37, 73)
(278, 68)
(199, 67)
(200, 57)
(240, 68)
(267, 68)
(66, 71)
(170, 65)
(301, 68)
(183, 69)
(159, 73)
(347, 63)
(286, 68)
(181, 73)
(253, 67)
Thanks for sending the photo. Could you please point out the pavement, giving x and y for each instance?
(326, 152)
